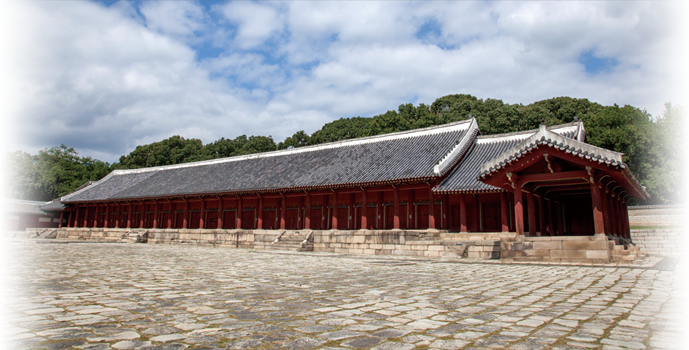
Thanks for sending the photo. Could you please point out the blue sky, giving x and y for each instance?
(104, 77)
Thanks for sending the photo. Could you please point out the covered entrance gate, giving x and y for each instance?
(564, 187)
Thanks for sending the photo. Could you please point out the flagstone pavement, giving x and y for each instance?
(141, 296)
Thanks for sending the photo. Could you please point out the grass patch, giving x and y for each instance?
(652, 227)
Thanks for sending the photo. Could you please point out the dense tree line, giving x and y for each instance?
(647, 143)
(51, 173)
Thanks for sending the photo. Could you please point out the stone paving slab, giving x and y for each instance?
(138, 296)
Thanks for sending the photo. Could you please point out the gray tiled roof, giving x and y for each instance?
(20, 206)
(465, 177)
(417, 154)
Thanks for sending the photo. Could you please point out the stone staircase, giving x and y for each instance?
(135, 236)
(661, 241)
(622, 250)
(479, 249)
(297, 241)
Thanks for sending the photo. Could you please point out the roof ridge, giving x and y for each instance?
(336, 144)
(530, 131)
(459, 150)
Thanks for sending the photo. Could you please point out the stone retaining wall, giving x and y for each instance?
(656, 215)
(665, 242)
(409, 243)
(570, 249)
(372, 242)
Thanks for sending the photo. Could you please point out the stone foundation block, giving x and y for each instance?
(568, 254)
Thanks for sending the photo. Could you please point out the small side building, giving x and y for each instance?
(22, 214)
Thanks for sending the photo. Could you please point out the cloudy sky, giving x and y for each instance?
(103, 77)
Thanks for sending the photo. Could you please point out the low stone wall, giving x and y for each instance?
(409, 243)
(569, 249)
(656, 215)
(664, 242)
(371, 242)
(257, 239)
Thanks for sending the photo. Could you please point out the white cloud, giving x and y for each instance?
(178, 19)
(104, 80)
(104, 84)
(256, 22)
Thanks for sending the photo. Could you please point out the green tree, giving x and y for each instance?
(628, 130)
(256, 144)
(299, 139)
(63, 170)
(24, 177)
(341, 129)
(173, 150)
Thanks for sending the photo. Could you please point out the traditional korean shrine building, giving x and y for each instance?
(544, 182)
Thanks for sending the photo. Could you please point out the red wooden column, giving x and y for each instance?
(185, 220)
(462, 212)
(611, 212)
(95, 217)
(364, 203)
(143, 215)
(616, 210)
(504, 215)
(379, 218)
(259, 214)
(351, 215)
(625, 220)
(598, 224)
(606, 209)
(532, 213)
(623, 216)
(333, 220)
(476, 224)
(396, 210)
(431, 208)
(86, 215)
(618, 215)
(541, 216)
(202, 217)
(129, 215)
(283, 211)
(69, 219)
(107, 212)
(518, 209)
(119, 213)
(307, 212)
(170, 213)
(238, 219)
(221, 211)
(446, 212)
(155, 214)
(62, 213)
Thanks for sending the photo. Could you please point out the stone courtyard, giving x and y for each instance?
(143, 296)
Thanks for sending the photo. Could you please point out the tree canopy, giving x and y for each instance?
(647, 143)
(52, 173)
